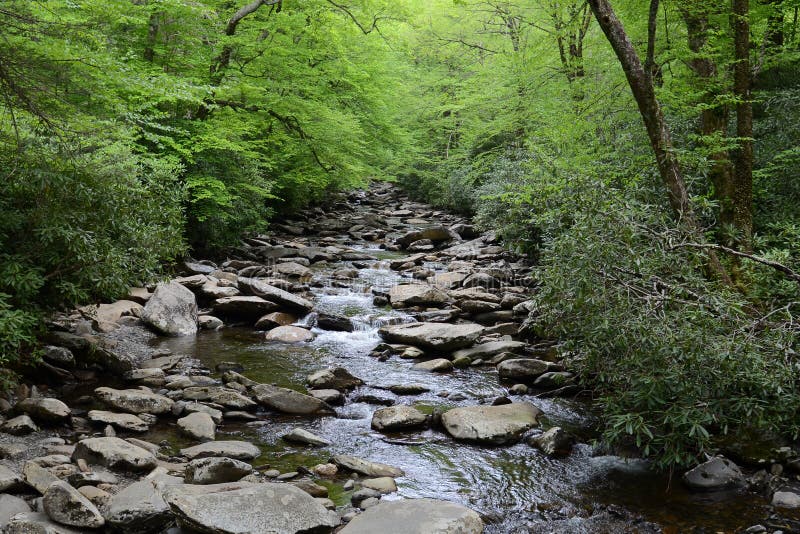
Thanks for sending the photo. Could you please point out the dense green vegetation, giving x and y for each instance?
(134, 131)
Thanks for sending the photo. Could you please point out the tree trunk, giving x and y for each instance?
(743, 155)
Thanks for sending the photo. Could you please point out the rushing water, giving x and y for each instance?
(516, 488)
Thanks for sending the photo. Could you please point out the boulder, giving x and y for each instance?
(290, 401)
(366, 467)
(382, 485)
(416, 516)
(265, 507)
(717, 473)
(36, 523)
(209, 322)
(216, 470)
(405, 295)
(486, 350)
(37, 476)
(139, 509)
(435, 336)
(198, 426)
(114, 453)
(438, 365)
(525, 369)
(10, 506)
(334, 322)
(283, 298)
(436, 234)
(554, 442)
(786, 499)
(172, 310)
(60, 356)
(492, 425)
(124, 421)
(9, 480)
(218, 395)
(64, 504)
(22, 425)
(238, 450)
(271, 320)
(554, 379)
(398, 417)
(292, 269)
(289, 334)
(250, 308)
(299, 435)
(44, 410)
(330, 396)
(337, 378)
(136, 401)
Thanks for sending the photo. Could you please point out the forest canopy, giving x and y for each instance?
(645, 153)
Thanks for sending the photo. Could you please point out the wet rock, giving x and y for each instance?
(9, 480)
(337, 378)
(437, 234)
(135, 401)
(554, 442)
(716, 473)
(196, 407)
(406, 295)
(409, 389)
(315, 490)
(366, 467)
(338, 323)
(198, 426)
(448, 280)
(325, 470)
(292, 270)
(218, 395)
(382, 485)
(60, 356)
(250, 308)
(518, 389)
(10, 506)
(124, 421)
(495, 425)
(554, 379)
(216, 470)
(172, 310)
(786, 499)
(36, 523)
(209, 322)
(148, 376)
(363, 494)
(266, 507)
(417, 516)
(438, 365)
(114, 453)
(486, 350)
(289, 401)
(65, 505)
(238, 450)
(522, 369)
(279, 296)
(436, 336)
(289, 334)
(139, 508)
(21, 425)
(271, 320)
(330, 396)
(299, 435)
(398, 417)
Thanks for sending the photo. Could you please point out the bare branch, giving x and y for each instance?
(752, 257)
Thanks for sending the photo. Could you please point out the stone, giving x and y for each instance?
(437, 365)
(409, 389)
(336, 323)
(10, 506)
(337, 378)
(299, 435)
(292, 270)
(36, 523)
(416, 516)
(218, 395)
(405, 295)
(313, 489)
(448, 280)
(435, 336)
(362, 494)
(330, 396)
(238, 450)
(325, 470)
(382, 485)
(265, 507)
(114, 453)
(289, 401)
(554, 442)
(493, 425)
(9, 480)
(279, 296)
(289, 334)
(37, 476)
(152, 376)
(399, 417)
(198, 426)
(714, 474)
(136, 401)
(209, 322)
(366, 467)
(21, 425)
(786, 499)
(193, 407)
(139, 509)
(60, 356)
(436, 234)
(172, 310)
(485, 350)
(216, 470)
(123, 421)
(554, 379)
(249, 308)
(271, 320)
(522, 369)
(64, 504)
(96, 496)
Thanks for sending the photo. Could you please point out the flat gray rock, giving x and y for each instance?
(716, 473)
(9, 479)
(64, 504)
(37, 523)
(485, 350)
(134, 401)
(405, 295)
(493, 425)
(198, 426)
(259, 508)
(399, 417)
(299, 435)
(139, 509)
(219, 395)
(436, 336)
(522, 369)
(124, 421)
(44, 410)
(416, 516)
(171, 310)
(216, 470)
(290, 401)
(238, 450)
(114, 453)
(289, 334)
(11, 505)
(283, 298)
(366, 467)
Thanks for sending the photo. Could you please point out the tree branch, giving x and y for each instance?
(752, 257)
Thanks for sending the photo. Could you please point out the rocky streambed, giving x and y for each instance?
(364, 368)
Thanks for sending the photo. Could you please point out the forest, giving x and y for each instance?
(644, 154)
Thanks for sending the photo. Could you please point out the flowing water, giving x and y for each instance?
(516, 488)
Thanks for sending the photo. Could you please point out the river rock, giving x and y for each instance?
(139, 509)
(398, 417)
(438, 365)
(289, 401)
(289, 334)
(436, 336)
(409, 389)
(337, 378)
(60, 356)
(292, 269)
(437, 234)
(37, 476)
(299, 435)
(416, 516)
(238, 450)
(64, 504)
(10, 506)
(9, 480)
(382, 485)
(334, 322)
(494, 425)
(716, 473)
(279, 296)
(44, 410)
(271, 320)
(21, 425)
(198, 426)
(216, 470)
(522, 369)
(194, 407)
(485, 350)
(36, 523)
(554, 442)
(554, 379)
(172, 310)
(330, 396)
(114, 453)
(265, 507)
(209, 322)
(786, 499)
(218, 395)
(405, 295)
(124, 421)
(135, 401)
(366, 467)
(250, 308)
